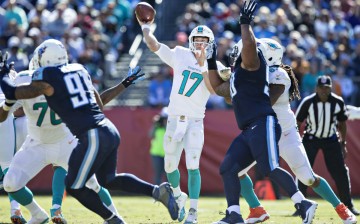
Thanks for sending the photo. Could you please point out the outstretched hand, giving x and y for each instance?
(4, 67)
(247, 12)
(132, 76)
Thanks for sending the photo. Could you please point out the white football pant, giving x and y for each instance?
(7, 142)
(293, 152)
(20, 130)
(33, 157)
(192, 142)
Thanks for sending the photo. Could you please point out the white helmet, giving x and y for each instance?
(202, 31)
(237, 48)
(274, 52)
(51, 53)
(34, 62)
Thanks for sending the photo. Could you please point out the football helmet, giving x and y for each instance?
(51, 53)
(34, 62)
(273, 52)
(235, 53)
(202, 31)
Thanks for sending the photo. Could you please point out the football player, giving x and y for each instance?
(283, 88)
(258, 140)
(190, 92)
(70, 94)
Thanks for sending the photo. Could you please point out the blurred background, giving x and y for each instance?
(319, 36)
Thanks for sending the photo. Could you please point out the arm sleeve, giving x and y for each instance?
(166, 54)
(38, 75)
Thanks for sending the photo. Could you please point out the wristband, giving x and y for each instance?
(203, 69)
(145, 26)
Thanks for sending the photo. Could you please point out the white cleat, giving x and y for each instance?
(192, 217)
(39, 218)
(181, 201)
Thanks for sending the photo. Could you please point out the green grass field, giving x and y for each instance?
(142, 210)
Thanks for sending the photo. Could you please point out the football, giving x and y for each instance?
(145, 12)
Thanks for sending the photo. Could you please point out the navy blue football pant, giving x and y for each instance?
(96, 153)
(259, 141)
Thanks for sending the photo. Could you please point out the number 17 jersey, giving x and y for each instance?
(189, 93)
(73, 99)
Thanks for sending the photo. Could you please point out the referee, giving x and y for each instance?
(325, 115)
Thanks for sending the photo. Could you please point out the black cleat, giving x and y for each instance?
(164, 194)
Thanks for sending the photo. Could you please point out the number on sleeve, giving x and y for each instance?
(193, 75)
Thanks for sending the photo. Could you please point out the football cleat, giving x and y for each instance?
(115, 220)
(39, 218)
(231, 218)
(307, 210)
(192, 217)
(164, 194)
(257, 214)
(57, 217)
(17, 218)
(345, 214)
(181, 201)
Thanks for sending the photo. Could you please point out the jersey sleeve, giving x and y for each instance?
(38, 75)
(166, 54)
(278, 76)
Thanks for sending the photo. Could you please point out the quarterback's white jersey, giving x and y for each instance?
(43, 124)
(282, 107)
(189, 93)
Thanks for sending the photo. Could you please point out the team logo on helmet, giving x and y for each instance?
(41, 52)
(200, 29)
(273, 46)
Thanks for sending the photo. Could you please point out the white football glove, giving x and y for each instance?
(225, 73)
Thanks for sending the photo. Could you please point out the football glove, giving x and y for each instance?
(6, 84)
(212, 61)
(132, 76)
(247, 12)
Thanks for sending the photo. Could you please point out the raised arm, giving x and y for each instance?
(151, 41)
(112, 92)
(249, 55)
(201, 57)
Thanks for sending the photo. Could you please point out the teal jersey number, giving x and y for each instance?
(193, 75)
(44, 106)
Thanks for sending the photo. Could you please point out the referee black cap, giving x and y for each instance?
(324, 80)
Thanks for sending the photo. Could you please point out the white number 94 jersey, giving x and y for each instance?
(43, 124)
(189, 93)
(282, 107)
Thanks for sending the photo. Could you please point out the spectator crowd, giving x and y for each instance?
(319, 37)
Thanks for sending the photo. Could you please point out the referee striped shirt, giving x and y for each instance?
(321, 117)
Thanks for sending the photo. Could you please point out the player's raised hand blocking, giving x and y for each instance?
(132, 76)
(247, 12)
(4, 67)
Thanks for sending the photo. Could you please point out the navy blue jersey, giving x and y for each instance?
(250, 93)
(73, 99)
